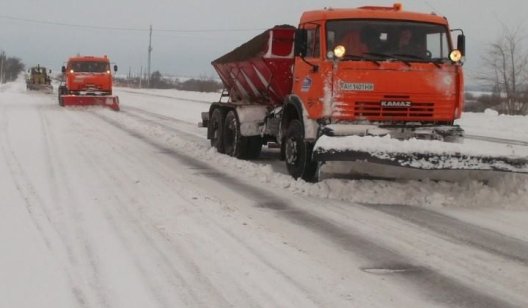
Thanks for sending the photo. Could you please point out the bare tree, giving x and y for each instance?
(10, 67)
(506, 71)
(2, 66)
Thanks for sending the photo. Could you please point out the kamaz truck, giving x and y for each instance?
(87, 80)
(368, 85)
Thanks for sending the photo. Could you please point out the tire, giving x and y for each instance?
(216, 128)
(298, 153)
(237, 145)
(233, 141)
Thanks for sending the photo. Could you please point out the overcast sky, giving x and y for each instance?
(189, 47)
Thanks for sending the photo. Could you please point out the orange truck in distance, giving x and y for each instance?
(346, 74)
(87, 80)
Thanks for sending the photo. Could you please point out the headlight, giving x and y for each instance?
(339, 51)
(455, 55)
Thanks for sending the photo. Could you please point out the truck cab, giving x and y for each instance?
(88, 75)
(377, 65)
(87, 80)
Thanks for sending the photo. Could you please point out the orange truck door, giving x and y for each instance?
(308, 77)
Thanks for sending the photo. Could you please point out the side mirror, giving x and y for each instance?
(301, 42)
(115, 68)
(64, 69)
(461, 43)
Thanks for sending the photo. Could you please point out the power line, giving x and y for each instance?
(63, 24)
(210, 30)
(69, 25)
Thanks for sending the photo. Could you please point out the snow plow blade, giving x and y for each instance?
(91, 100)
(425, 158)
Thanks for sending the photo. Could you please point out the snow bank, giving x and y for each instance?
(492, 124)
(510, 191)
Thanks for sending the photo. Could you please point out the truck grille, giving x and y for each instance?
(374, 109)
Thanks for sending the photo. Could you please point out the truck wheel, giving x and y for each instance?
(234, 143)
(298, 153)
(216, 128)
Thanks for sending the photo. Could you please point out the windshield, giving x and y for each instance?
(413, 41)
(90, 67)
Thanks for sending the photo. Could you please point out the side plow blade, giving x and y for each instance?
(419, 159)
(89, 100)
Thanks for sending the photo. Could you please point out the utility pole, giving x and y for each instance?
(140, 76)
(149, 57)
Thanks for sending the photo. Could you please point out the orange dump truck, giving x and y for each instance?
(87, 80)
(363, 72)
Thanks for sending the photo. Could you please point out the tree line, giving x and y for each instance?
(10, 68)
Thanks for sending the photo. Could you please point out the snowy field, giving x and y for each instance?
(135, 209)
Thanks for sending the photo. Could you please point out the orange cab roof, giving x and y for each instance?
(371, 12)
(88, 59)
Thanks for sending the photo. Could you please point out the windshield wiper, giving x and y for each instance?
(356, 57)
(435, 61)
(353, 57)
(388, 56)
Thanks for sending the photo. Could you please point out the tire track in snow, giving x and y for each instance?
(139, 115)
(225, 233)
(97, 163)
(149, 237)
(168, 96)
(460, 231)
(36, 206)
(433, 285)
(155, 115)
(75, 238)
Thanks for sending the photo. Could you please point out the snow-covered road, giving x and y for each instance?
(134, 209)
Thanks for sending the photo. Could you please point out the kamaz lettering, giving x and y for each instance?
(395, 104)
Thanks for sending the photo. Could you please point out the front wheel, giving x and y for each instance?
(298, 153)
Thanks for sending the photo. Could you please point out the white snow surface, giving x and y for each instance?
(135, 209)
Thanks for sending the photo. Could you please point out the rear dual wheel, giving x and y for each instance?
(231, 135)
(237, 145)
(216, 128)
(225, 136)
